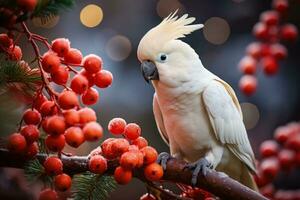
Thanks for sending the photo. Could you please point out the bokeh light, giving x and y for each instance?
(45, 22)
(118, 48)
(216, 30)
(165, 7)
(91, 15)
(250, 114)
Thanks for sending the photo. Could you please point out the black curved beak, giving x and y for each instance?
(149, 71)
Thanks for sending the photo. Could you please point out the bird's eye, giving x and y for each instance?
(162, 57)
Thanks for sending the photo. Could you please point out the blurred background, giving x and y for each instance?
(112, 29)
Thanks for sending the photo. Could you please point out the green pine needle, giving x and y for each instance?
(51, 7)
(89, 186)
(34, 171)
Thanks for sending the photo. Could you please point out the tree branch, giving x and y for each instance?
(214, 182)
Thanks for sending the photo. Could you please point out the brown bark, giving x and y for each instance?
(214, 182)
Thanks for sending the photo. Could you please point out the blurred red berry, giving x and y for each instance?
(280, 5)
(92, 131)
(79, 84)
(103, 79)
(122, 176)
(55, 143)
(17, 143)
(50, 62)
(15, 52)
(87, 115)
(31, 133)
(68, 99)
(74, 137)
(92, 63)
(31, 150)
(5, 40)
(90, 96)
(116, 126)
(140, 142)
(32, 116)
(268, 191)
(248, 84)
(48, 194)
(269, 148)
(286, 158)
(270, 167)
(28, 5)
(60, 46)
(97, 164)
(270, 17)
(60, 76)
(254, 50)
(247, 65)
(53, 166)
(62, 182)
(270, 65)
(73, 56)
(289, 32)
(132, 131)
(293, 142)
(278, 51)
(260, 30)
(282, 134)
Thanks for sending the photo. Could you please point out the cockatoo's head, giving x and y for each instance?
(164, 57)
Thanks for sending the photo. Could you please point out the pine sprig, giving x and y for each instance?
(34, 171)
(89, 186)
(47, 8)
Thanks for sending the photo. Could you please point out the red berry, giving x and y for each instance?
(71, 117)
(106, 147)
(92, 131)
(79, 84)
(293, 142)
(150, 155)
(122, 176)
(15, 52)
(60, 76)
(90, 77)
(53, 166)
(248, 84)
(32, 150)
(147, 196)
(260, 30)
(153, 172)
(140, 155)
(116, 126)
(74, 137)
(62, 182)
(56, 125)
(132, 131)
(87, 115)
(265, 50)
(5, 40)
(17, 143)
(267, 191)
(48, 194)
(286, 158)
(50, 62)
(297, 159)
(60, 46)
(119, 146)
(248, 65)
(280, 5)
(55, 143)
(140, 142)
(28, 5)
(270, 17)
(48, 108)
(278, 51)
(103, 79)
(68, 100)
(31, 133)
(39, 100)
(90, 96)
(270, 167)
(92, 63)
(73, 56)
(254, 50)
(269, 148)
(32, 117)
(270, 65)
(282, 134)
(129, 160)
(97, 164)
(289, 32)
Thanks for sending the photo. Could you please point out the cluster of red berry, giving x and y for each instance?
(280, 154)
(131, 150)
(268, 51)
(8, 47)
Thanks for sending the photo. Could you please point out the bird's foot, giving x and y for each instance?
(163, 159)
(200, 166)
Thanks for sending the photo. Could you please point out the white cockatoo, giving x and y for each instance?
(197, 114)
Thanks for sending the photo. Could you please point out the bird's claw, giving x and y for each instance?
(201, 166)
(163, 159)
